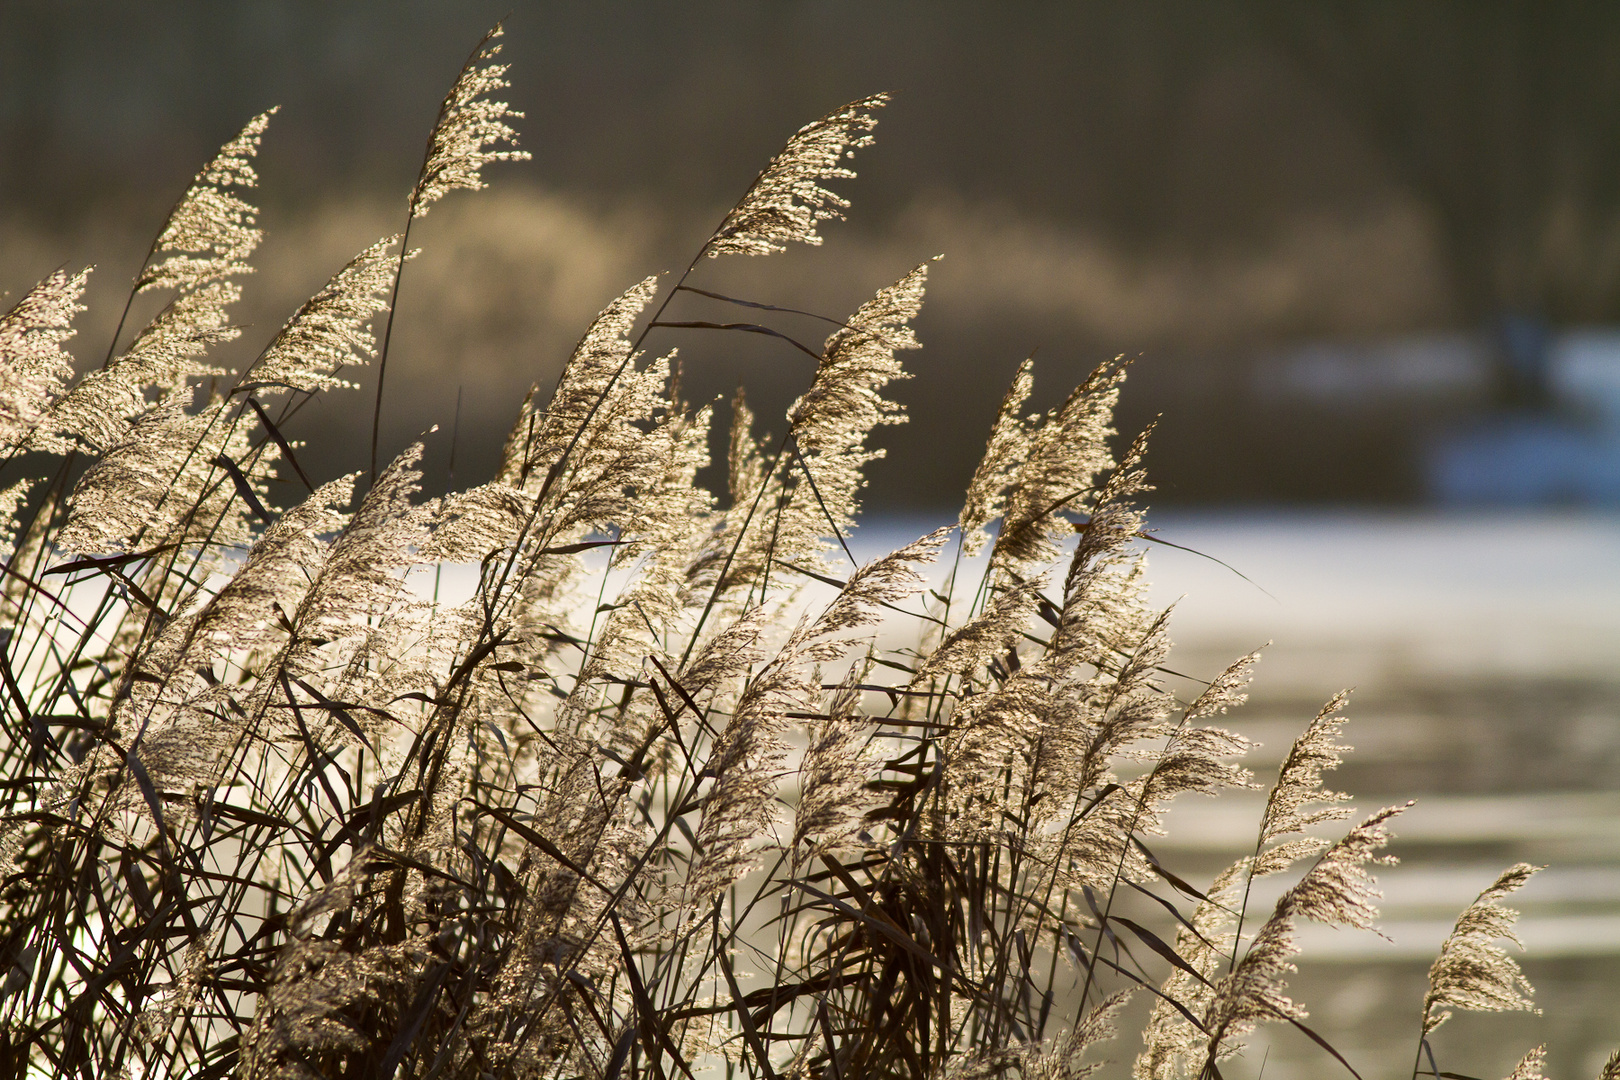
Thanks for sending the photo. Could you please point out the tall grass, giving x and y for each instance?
(652, 799)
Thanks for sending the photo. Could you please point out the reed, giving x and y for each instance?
(652, 799)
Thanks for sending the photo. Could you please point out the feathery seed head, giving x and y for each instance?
(33, 366)
(210, 231)
(359, 579)
(830, 422)
(1053, 469)
(330, 331)
(787, 201)
(278, 570)
(96, 411)
(1472, 972)
(161, 482)
(1006, 450)
(1530, 1066)
(883, 581)
(467, 128)
(857, 361)
(1337, 891)
(1062, 1060)
(745, 465)
(540, 438)
(1298, 800)
(835, 769)
(1225, 691)
(985, 636)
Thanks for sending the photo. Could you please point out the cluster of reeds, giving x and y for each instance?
(651, 800)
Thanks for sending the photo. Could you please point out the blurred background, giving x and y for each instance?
(1365, 256)
(1365, 252)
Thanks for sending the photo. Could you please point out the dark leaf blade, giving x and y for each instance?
(1324, 1044)
(411, 1022)
(507, 818)
(243, 488)
(280, 440)
(337, 711)
(1171, 908)
(653, 1035)
(1158, 945)
(747, 328)
(148, 791)
(1158, 868)
(883, 927)
(757, 306)
(744, 1016)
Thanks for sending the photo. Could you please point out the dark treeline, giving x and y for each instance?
(1477, 142)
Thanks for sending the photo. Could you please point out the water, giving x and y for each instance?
(1482, 651)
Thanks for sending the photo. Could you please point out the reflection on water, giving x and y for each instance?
(1482, 650)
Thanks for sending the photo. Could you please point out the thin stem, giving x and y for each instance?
(388, 333)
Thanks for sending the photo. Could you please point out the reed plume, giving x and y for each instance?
(677, 781)
(31, 338)
(1472, 972)
(787, 201)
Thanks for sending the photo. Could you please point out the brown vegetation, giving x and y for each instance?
(651, 798)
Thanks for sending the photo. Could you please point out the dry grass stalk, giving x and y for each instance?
(269, 812)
